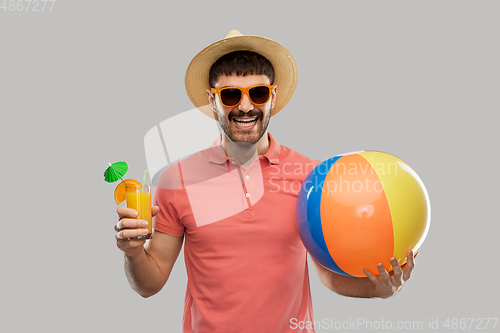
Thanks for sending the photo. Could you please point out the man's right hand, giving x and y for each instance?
(129, 227)
(147, 266)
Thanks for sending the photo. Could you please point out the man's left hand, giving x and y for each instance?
(389, 284)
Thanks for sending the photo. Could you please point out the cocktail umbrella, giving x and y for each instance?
(115, 171)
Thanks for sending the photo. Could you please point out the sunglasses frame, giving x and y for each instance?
(244, 91)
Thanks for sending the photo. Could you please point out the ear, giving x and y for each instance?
(211, 101)
(273, 96)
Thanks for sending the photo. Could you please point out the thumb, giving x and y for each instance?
(154, 210)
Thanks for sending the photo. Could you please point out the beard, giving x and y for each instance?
(237, 135)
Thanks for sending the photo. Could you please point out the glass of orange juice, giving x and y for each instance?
(140, 200)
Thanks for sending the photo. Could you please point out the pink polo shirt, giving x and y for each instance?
(246, 265)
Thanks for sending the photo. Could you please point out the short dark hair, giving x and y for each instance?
(241, 63)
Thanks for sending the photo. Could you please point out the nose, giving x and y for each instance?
(245, 104)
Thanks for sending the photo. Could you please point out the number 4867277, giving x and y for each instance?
(27, 5)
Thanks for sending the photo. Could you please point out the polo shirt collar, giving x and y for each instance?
(216, 152)
(218, 156)
(274, 151)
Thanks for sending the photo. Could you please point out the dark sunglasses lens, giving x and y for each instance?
(259, 95)
(230, 97)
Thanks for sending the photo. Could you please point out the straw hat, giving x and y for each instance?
(284, 64)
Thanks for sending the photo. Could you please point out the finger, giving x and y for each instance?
(410, 265)
(118, 226)
(155, 210)
(384, 275)
(410, 257)
(398, 272)
(127, 234)
(129, 224)
(124, 212)
(370, 276)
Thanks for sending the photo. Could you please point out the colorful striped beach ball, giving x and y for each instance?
(356, 210)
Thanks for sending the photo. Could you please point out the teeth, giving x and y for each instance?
(246, 122)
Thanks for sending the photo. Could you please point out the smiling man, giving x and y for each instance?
(246, 265)
(246, 120)
(242, 82)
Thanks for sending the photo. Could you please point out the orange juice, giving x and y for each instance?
(141, 202)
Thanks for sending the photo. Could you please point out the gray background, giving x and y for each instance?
(82, 84)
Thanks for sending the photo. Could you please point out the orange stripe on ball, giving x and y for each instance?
(360, 233)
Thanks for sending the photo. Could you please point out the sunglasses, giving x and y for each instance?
(232, 96)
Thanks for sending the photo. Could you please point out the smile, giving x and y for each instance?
(245, 122)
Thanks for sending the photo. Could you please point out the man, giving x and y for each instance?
(233, 204)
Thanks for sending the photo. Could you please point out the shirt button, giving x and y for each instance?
(247, 177)
(247, 195)
(233, 162)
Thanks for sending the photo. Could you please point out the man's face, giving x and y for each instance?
(245, 122)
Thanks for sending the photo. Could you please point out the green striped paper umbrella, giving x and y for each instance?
(115, 171)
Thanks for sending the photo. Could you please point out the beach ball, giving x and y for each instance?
(358, 209)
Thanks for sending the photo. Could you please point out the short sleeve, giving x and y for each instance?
(166, 197)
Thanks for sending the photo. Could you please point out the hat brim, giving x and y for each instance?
(284, 64)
